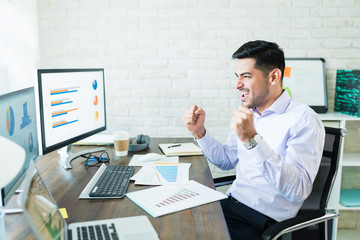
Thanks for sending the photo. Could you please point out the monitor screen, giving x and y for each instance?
(18, 123)
(71, 105)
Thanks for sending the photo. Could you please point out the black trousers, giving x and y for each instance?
(244, 222)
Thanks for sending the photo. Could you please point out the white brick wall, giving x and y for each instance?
(162, 56)
(19, 44)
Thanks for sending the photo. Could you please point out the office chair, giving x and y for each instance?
(314, 210)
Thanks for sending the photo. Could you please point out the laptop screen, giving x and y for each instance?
(41, 209)
(47, 222)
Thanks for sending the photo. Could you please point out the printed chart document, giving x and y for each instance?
(180, 149)
(162, 173)
(159, 201)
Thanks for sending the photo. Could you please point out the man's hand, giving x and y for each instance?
(242, 124)
(194, 120)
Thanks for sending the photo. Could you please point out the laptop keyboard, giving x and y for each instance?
(113, 182)
(102, 231)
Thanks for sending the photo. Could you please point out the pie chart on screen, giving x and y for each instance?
(94, 84)
(10, 121)
(96, 116)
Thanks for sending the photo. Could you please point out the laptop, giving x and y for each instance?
(47, 222)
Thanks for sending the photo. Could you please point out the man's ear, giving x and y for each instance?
(275, 76)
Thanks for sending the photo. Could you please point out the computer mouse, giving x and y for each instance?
(151, 157)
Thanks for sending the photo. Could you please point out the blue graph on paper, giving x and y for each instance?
(169, 173)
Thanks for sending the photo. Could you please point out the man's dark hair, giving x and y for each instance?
(267, 55)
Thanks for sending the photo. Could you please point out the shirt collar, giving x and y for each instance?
(279, 106)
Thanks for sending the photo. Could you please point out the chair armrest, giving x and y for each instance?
(296, 223)
(222, 181)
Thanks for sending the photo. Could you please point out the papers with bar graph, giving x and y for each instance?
(159, 201)
(162, 173)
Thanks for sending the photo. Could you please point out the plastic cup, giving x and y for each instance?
(121, 143)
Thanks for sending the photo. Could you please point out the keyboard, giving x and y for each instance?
(102, 231)
(113, 182)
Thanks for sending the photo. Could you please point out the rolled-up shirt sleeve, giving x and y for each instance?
(223, 156)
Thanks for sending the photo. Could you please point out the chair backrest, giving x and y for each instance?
(325, 178)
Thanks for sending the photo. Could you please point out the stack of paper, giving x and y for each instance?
(162, 173)
(136, 160)
(180, 149)
(166, 199)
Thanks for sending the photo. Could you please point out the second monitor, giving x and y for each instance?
(71, 106)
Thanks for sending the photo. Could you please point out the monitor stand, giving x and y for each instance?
(13, 210)
(67, 156)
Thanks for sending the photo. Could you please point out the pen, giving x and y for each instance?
(176, 145)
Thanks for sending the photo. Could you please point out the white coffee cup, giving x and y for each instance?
(2, 224)
(121, 143)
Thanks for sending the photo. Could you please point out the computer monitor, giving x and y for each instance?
(18, 123)
(71, 107)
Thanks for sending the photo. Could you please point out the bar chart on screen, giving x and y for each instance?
(63, 90)
(68, 113)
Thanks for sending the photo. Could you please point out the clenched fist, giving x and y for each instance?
(242, 123)
(194, 119)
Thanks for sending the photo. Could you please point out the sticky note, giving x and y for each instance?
(288, 90)
(63, 212)
(287, 72)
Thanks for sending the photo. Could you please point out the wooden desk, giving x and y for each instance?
(203, 222)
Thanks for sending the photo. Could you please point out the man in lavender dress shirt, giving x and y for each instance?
(275, 144)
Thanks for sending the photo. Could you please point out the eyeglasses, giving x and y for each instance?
(92, 160)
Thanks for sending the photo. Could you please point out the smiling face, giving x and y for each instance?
(256, 88)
